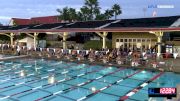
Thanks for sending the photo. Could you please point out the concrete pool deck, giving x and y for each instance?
(13, 57)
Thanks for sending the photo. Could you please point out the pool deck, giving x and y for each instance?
(13, 57)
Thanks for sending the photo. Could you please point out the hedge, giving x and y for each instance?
(96, 44)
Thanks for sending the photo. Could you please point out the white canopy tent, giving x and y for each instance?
(29, 41)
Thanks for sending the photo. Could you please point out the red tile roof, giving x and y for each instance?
(36, 20)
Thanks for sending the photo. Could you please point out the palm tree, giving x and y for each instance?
(80, 16)
(90, 11)
(108, 13)
(101, 17)
(93, 7)
(68, 14)
(72, 14)
(116, 10)
(64, 14)
(85, 13)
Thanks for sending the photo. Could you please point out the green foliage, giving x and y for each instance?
(100, 17)
(108, 14)
(21, 36)
(48, 44)
(68, 14)
(116, 9)
(93, 8)
(4, 38)
(90, 11)
(96, 44)
(85, 14)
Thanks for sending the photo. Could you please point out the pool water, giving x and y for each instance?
(48, 80)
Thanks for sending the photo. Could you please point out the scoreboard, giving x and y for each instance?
(168, 92)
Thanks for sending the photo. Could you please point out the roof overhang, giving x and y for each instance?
(128, 29)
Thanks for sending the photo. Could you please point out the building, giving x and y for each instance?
(139, 33)
(141, 39)
(27, 41)
(35, 20)
(19, 21)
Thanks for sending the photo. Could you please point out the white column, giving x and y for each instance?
(159, 40)
(104, 42)
(35, 39)
(65, 34)
(12, 37)
(104, 39)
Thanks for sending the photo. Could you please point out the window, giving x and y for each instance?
(132, 42)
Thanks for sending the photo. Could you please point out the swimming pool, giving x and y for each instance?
(48, 80)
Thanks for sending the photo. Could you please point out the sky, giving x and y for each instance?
(130, 8)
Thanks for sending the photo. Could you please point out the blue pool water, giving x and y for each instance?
(31, 80)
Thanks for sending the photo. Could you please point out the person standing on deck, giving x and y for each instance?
(18, 50)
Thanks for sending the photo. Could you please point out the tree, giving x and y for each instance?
(72, 14)
(64, 14)
(92, 6)
(68, 14)
(20, 36)
(85, 14)
(90, 11)
(4, 38)
(80, 16)
(116, 9)
(101, 17)
(108, 13)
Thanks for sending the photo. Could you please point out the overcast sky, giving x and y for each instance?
(130, 8)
